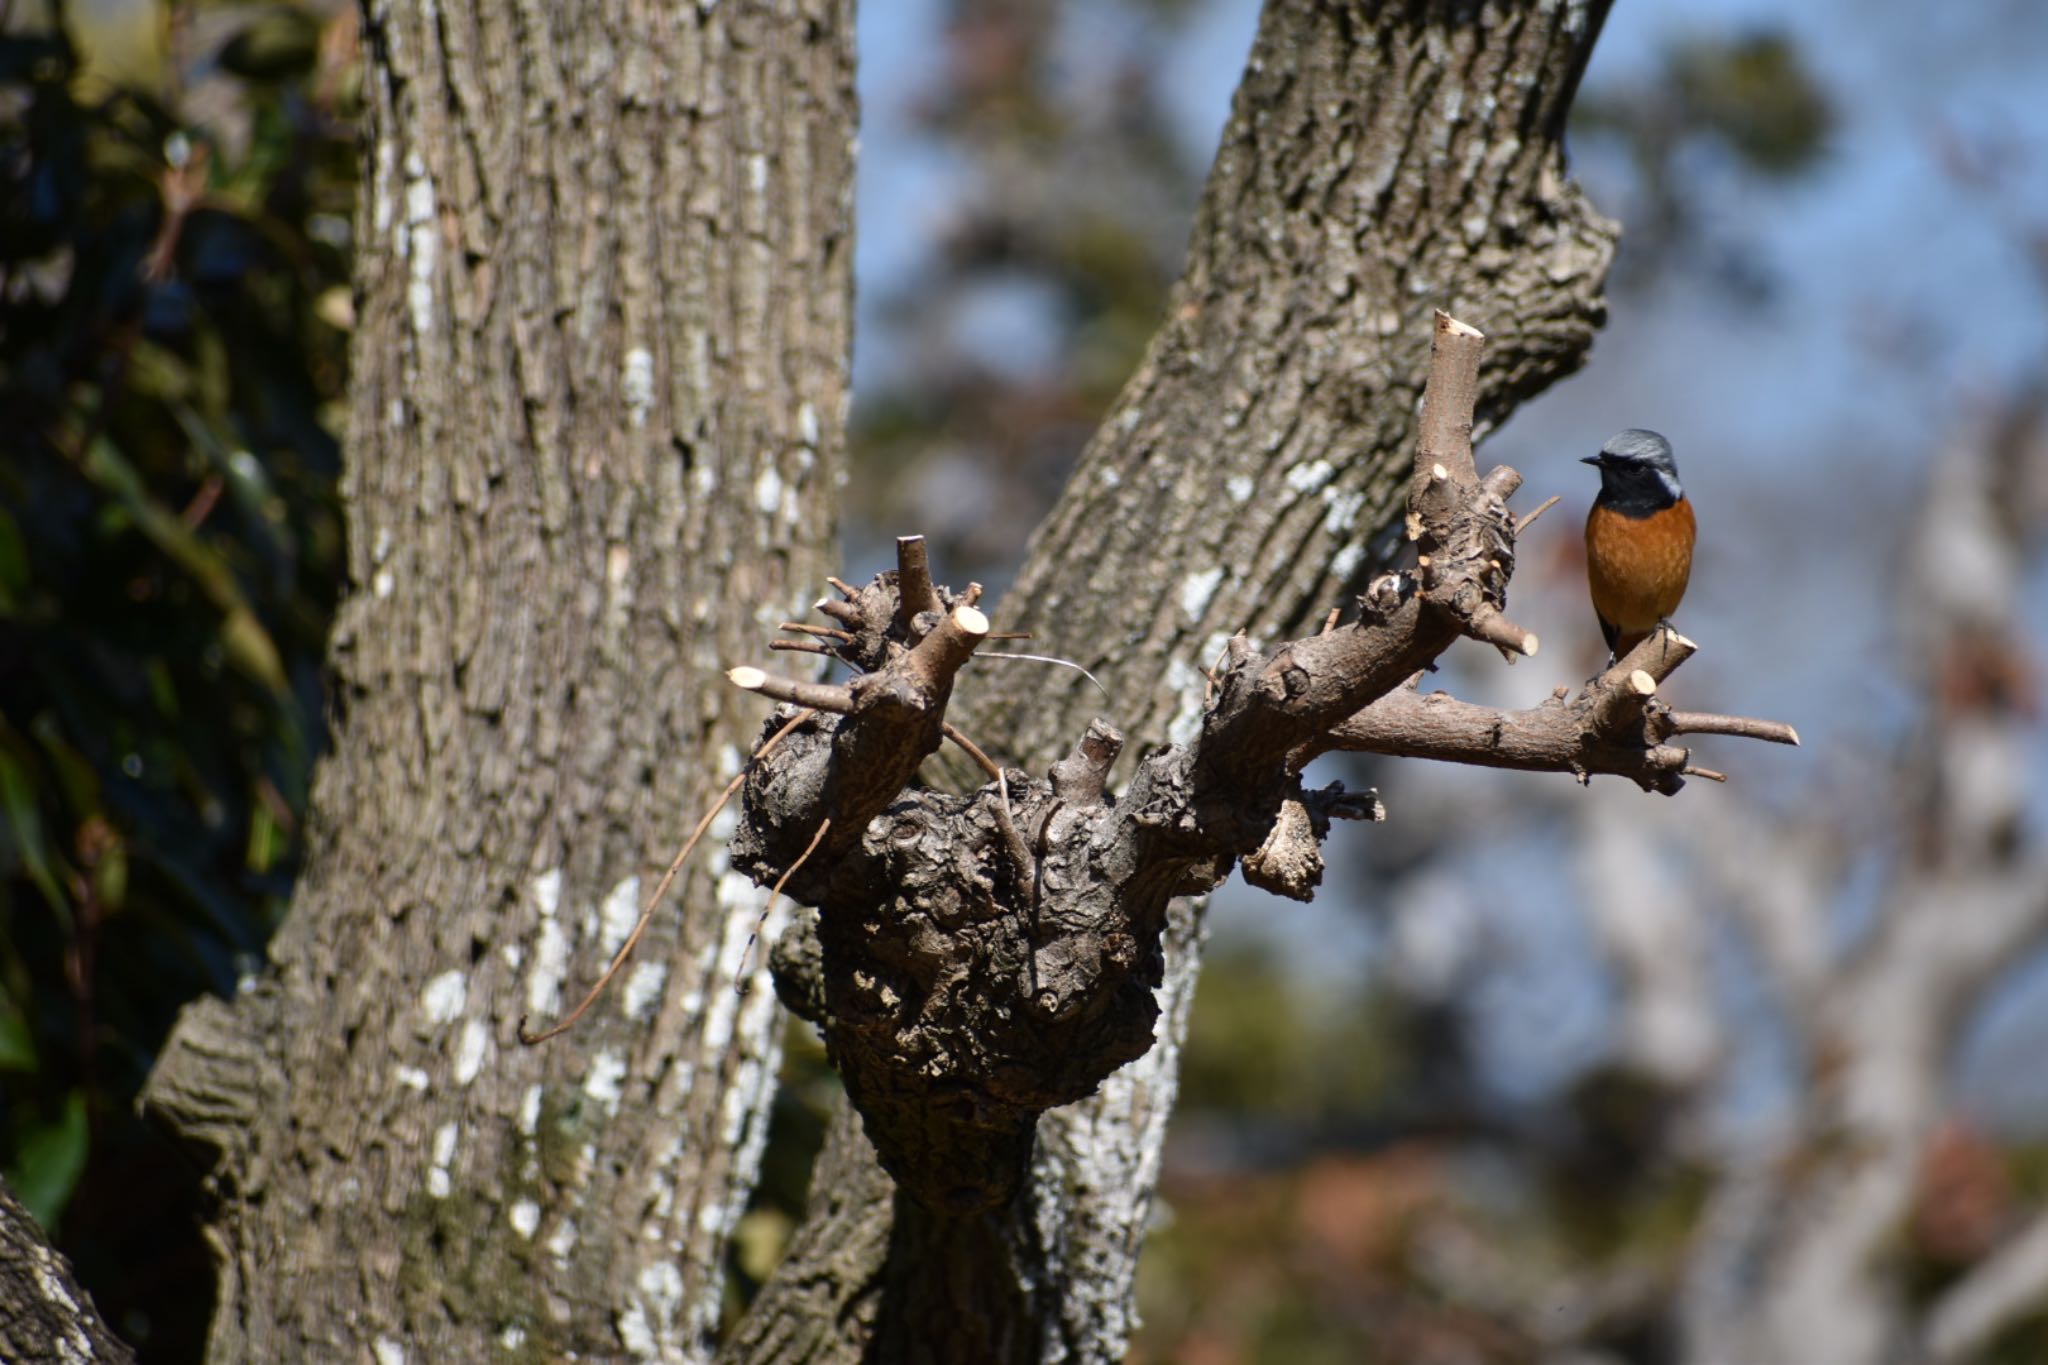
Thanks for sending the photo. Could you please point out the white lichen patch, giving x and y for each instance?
(655, 1313)
(1187, 684)
(382, 583)
(807, 425)
(73, 1346)
(471, 1051)
(1239, 487)
(50, 1284)
(529, 1111)
(1108, 477)
(753, 1082)
(382, 208)
(423, 239)
(661, 1190)
(618, 914)
(601, 1083)
(411, 1077)
(439, 1180)
(561, 1242)
(643, 988)
(445, 997)
(740, 902)
(1345, 562)
(388, 1352)
(768, 490)
(635, 1335)
(514, 955)
(525, 1217)
(1308, 477)
(1341, 507)
(513, 1337)
(1197, 589)
(550, 968)
(547, 892)
(636, 386)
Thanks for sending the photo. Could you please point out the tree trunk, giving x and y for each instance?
(599, 386)
(1381, 161)
(44, 1315)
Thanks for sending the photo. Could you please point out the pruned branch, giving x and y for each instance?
(985, 958)
(914, 594)
(1612, 726)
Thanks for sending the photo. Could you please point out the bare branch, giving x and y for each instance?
(2011, 1283)
(1705, 723)
(1611, 727)
(1447, 402)
(1078, 778)
(914, 593)
(1526, 522)
(940, 654)
(817, 696)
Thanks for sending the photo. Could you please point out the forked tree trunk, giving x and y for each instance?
(599, 385)
(1382, 160)
(599, 394)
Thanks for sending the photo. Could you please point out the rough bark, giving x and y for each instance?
(1381, 161)
(598, 392)
(44, 1315)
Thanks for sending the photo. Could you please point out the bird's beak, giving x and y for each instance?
(1590, 459)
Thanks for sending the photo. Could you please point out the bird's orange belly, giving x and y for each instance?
(1638, 567)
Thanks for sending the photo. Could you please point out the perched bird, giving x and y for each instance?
(1638, 538)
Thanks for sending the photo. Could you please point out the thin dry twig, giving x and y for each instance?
(845, 612)
(1019, 855)
(826, 632)
(661, 888)
(739, 984)
(1042, 659)
(1526, 522)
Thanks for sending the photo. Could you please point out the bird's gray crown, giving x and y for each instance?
(1637, 446)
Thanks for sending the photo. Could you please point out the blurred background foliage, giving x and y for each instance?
(174, 271)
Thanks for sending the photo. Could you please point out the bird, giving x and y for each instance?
(1639, 538)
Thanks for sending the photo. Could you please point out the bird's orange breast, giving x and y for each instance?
(1638, 567)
